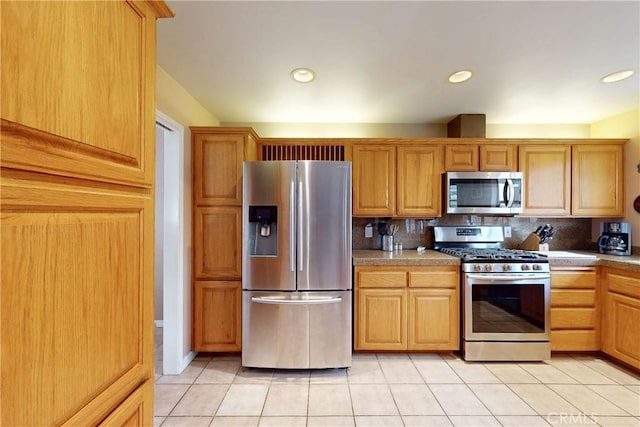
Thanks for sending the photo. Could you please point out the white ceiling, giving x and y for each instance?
(388, 61)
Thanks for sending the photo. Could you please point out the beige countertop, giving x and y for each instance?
(404, 257)
(431, 257)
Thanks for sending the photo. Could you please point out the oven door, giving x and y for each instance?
(506, 307)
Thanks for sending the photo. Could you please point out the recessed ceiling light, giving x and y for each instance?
(617, 76)
(303, 75)
(460, 76)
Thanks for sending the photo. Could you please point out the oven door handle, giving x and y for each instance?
(507, 277)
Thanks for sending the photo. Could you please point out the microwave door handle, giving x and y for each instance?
(509, 193)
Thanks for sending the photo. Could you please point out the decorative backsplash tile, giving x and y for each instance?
(569, 233)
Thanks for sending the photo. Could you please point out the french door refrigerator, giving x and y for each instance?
(296, 264)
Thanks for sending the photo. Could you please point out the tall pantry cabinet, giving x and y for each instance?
(77, 184)
(218, 154)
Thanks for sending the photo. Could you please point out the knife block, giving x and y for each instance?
(531, 243)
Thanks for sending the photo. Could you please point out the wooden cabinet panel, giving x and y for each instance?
(217, 316)
(435, 277)
(382, 319)
(78, 128)
(597, 176)
(217, 169)
(461, 158)
(77, 298)
(217, 243)
(382, 279)
(135, 411)
(574, 313)
(480, 157)
(433, 319)
(374, 180)
(498, 158)
(547, 179)
(419, 181)
(621, 315)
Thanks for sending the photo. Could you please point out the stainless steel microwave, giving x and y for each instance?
(483, 193)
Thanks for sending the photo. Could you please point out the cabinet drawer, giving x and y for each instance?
(438, 278)
(573, 279)
(573, 318)
(625, 285)
(573, 298)
(382, 279)
(574, 340)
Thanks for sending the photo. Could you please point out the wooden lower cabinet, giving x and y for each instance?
(217, 316)
(135, 411)
(401, 308)
(574, 313)
(621, 315)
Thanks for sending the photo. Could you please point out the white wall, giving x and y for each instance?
(626, 125)
(176, 103)
(159, 218)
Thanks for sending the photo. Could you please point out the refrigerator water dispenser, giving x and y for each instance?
(263, 230)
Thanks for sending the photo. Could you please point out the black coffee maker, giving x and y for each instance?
(615, 238)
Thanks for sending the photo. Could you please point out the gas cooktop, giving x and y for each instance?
(493, 254)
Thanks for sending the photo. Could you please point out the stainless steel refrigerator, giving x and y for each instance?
(296, 264)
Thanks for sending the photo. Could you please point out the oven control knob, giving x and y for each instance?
(525, 267)
(477, 267)
(506, 267)
(536, 267)
(489, 267)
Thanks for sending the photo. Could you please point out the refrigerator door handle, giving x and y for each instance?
(300, 228)
(276, 300)
(292, 225)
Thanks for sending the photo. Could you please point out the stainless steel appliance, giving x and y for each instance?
(615, 238)
(483, 193)
(505, 295)
(296, 269)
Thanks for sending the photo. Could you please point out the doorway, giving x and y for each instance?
(173, 290)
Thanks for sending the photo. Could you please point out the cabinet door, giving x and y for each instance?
(374, 180)
(419, 181)
(77, 298)
(57, 115)
(381, 319)
(461, 158)
(433, 319)
(621, 337)
(547, 179)
(597, 181)
(217, 243)
(498, 158)
(217, 169)
(217, 312)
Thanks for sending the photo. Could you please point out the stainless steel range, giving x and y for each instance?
(505, 295)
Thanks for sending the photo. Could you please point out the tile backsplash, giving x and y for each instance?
(569, 233)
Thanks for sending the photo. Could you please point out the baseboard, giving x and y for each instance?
(159, 323)
(185, 362)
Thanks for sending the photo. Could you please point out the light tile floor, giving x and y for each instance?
(402, 390)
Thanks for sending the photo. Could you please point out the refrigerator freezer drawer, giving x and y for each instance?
(296, 330)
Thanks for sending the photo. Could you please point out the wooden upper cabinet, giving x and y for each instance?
(461, 158)
(547, 179)
(217, 169)
(77, 108)
(419, 181)
(374, 180)
(480, 157)
(597, 177)
(498, 158)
